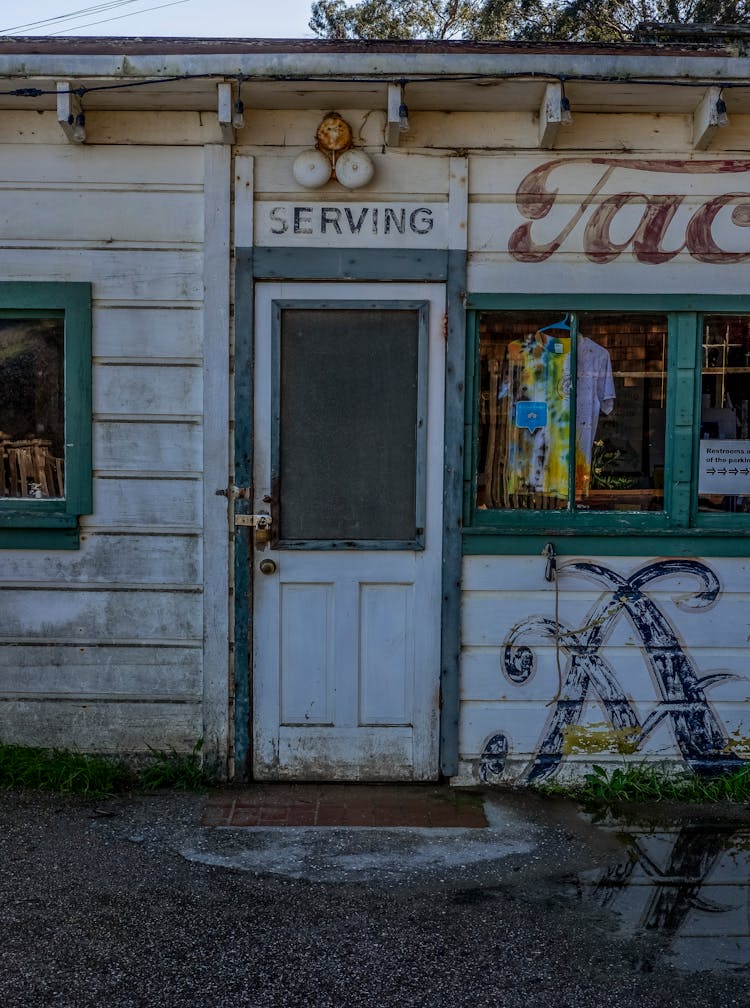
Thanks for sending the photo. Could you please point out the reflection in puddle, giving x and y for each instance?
(688, 887)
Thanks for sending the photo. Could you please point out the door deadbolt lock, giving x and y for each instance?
(267, 566)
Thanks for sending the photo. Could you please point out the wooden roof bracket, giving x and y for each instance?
(225, 110)
(68, 111)
(393, 121)
(707, 118)
(550, 114)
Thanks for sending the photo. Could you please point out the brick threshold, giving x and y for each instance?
(345, 805)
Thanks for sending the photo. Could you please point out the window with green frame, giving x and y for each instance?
(601, 414)
(45, 413)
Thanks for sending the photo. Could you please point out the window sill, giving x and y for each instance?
(39, 538)
(647, 542)
(38, 527)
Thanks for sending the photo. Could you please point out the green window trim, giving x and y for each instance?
(505, 531)
(53, 524)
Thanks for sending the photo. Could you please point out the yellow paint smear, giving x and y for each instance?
(593, 739)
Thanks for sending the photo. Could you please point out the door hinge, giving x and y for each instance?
(241, 493)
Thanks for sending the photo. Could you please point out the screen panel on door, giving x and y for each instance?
(349, 440)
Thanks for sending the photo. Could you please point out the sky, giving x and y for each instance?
(201, 18)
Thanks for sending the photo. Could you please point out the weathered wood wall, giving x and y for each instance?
(505, 724)
(116, 646)
(519, 710)
(517, 716)
(102, 648)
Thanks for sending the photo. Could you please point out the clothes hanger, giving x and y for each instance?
(564, 323)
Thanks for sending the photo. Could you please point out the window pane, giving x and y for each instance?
(32, 401)
(348, 427)
(524, 410)
(724, 460)
(524, 456)
(621, 394)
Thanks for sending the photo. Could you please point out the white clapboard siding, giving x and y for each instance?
(124, 501)
(167, 613)
(111, 128)
(576, 172)
(101, 648)
(132, 275)
(575, 175)
(526, 573)
(492, 223)
(109, 559)
(151, 447)
(297, 127)
(90, 166)
(501, 275)
(520, 130)
(158, 128)
(483, 678)
(164, 216)
(503, 593)
(522, 723)
(166, 390)
(90, 726)
(146, 332)
(525, 725)
(101, 671)
(489, 617)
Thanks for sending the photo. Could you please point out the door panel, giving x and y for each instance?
(348, 421)
(386, 669)
(307, 653)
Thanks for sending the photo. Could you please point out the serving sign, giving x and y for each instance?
(724, 467)
(352, 225)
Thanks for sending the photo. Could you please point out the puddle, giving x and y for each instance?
(687, 888)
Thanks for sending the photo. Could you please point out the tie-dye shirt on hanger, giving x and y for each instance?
(535, 396)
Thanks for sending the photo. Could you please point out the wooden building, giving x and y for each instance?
(376, 411)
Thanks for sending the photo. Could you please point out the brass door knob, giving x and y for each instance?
(267, 566)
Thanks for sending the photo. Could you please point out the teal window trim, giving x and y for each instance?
(492, 531)
(53, 524)
(711, 523)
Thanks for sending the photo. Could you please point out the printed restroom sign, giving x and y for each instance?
(724, 467)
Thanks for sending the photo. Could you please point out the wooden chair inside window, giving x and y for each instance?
(29, 469)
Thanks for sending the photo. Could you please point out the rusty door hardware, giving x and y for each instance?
(259, 522)
(241, 493)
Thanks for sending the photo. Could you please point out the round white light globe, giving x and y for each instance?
(311, 169)
(354, 169)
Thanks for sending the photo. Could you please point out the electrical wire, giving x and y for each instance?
(143, 10)
(384, 79)
(97, 9)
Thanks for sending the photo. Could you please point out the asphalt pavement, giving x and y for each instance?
(130, 902)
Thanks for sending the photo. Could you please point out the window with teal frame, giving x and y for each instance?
(618, 422)
(45, 413)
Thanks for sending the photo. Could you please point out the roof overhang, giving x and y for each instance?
(180, 74)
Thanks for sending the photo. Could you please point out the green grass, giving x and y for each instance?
(647, 783)
(66, 772)
(177, 771)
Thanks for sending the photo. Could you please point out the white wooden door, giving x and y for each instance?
(348, 456)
